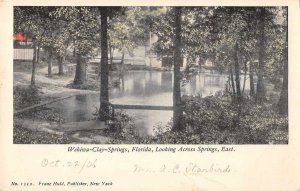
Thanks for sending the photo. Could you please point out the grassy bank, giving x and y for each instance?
(212, 120)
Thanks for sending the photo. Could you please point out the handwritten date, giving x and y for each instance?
(81, 165)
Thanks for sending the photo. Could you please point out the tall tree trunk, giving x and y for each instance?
(252, 89)
(150, 46)
(123, 82)
(283, 100)
(232, 80)
(74, 51)
(228, 84)
(237, 72)
(260, 91)
(80, 75)
(177, 113)
(38, 54)
(245, 78)
(121, 69)
(34, 60)
(251, 80)
(201, 62)
(122, 62)
(111, 54)
(104, 97)
(61, 65)
(50, 63)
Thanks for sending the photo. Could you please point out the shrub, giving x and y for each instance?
(24, 136)
(212, 120)
(25, 96)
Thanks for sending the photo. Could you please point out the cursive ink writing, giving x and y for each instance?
(81, 165)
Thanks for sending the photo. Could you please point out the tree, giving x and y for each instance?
(34, 61)
(79, 29)
(259, 38)
(162, 27)
(229, 31)
(196, 37)
(60, 60)
(177, 113)
(104, 96)
(61, 40)
(124, 33)
(237, 72)
(283, 100)
(105, 14)
(260, 92)
(30, 21)
(250, 47)
(232, 37)
(50, 58)
(50, 38)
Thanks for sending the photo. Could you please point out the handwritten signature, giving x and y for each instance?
(190, 168)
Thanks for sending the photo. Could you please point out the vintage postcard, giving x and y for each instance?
(142, 95)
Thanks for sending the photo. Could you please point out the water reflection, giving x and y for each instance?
(81, 102)
(142, 88)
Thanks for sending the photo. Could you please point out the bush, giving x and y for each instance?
(121, 128)
(25, 96)
(212, 120)
(24, 136)
(204, 114)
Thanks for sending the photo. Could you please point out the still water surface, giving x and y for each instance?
(142, 88)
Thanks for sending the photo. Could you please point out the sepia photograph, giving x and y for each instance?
(150, 75)
(149, 95)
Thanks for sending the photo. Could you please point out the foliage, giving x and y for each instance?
(275, 47)
(162, 27)
(79, 26)
(197, 38)
(42, 114)
(31, 21)
(124, 34)
(212, 120)
(215, 33)
(58, 28)
(121, 128)
(24, 136)
(25, 96)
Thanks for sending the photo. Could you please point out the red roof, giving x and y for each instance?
(21, 37)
